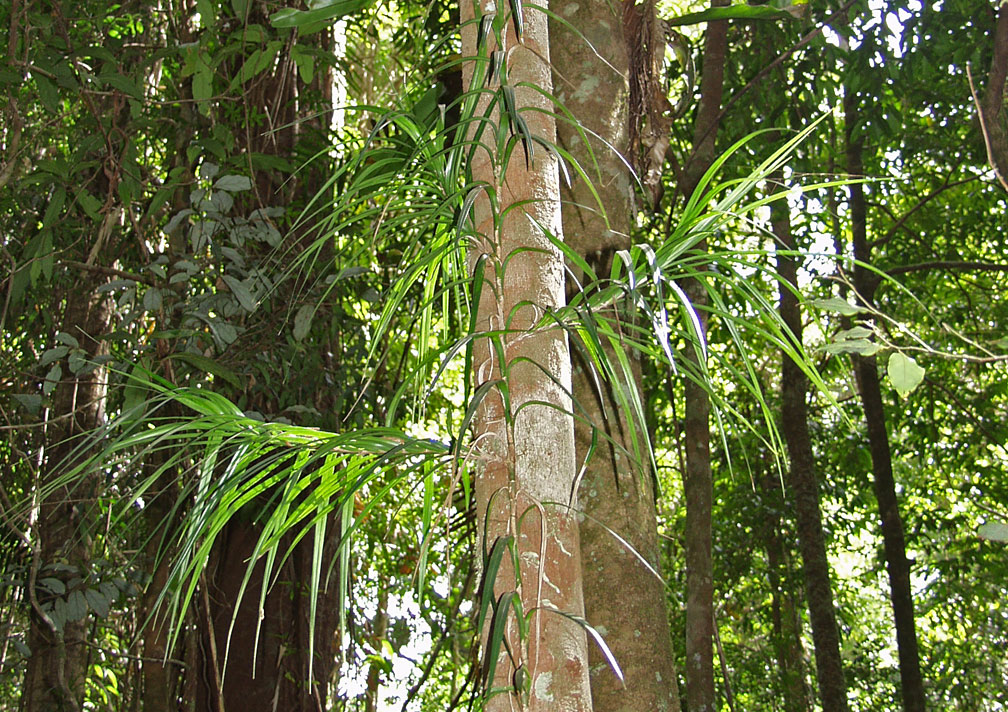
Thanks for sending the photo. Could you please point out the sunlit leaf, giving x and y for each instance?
(994, 531)
(290, 17)
(838, 305)
(904, 373)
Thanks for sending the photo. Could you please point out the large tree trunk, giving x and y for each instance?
(288, 119)
(697, 480)
(57, 668)
(804, 488)
(622, 597)
(524, 444)
(866, 371)
(279, 678)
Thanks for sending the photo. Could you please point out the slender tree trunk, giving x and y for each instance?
(804, 488)
(697, 480)
(56, 670)
(622, 597)
(994, 124)
(866, 370)
(783, 611)
(524, 443)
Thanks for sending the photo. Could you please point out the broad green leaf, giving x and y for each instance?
(224, 331)
(861, 347)
(91, 205)
(255, 64)
(123, 83)
(904, 373)
(152, 299)
(202, 87)
(303, 321)
(55, 207)
(208, 365)
(58, 613)
(136, 390)
(733, 12)
(32, 402)
(53, 585)
(68, 339)
(53, 354)
(233, 183)
(994, 531)
(78, 364)
(207, 10)
(857, 332)
(76, 606)
(52, 378)
(838, 305)
(305, 62)
(289, 17)
(176, 220)
(48, 93)
(97, 602)
(242, 293)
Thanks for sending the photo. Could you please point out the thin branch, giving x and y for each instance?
(134, 658)
(983, 130)
(946, 185)
(949, 265)
(110, 272)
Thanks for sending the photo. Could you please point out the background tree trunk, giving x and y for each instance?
(804, 488)
(697, 480)
(622, 597)
(866, 371)
(288, 119)
(56, 670)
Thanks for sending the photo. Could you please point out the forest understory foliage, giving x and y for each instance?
(366, 355)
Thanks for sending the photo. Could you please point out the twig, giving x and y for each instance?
(445, 632)
(110, 272)
(949, 265)
(211, 634)
(134, 658)
(729, 695)
(983, 129)
(946, 185)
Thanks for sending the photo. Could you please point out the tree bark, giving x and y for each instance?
(804, 487)
(294, 124)
(783, 610)
(624, 600)
(269, 672)
(697, 480)
(524, 443)
(56, 670)
(866, 372)
(992, 119)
